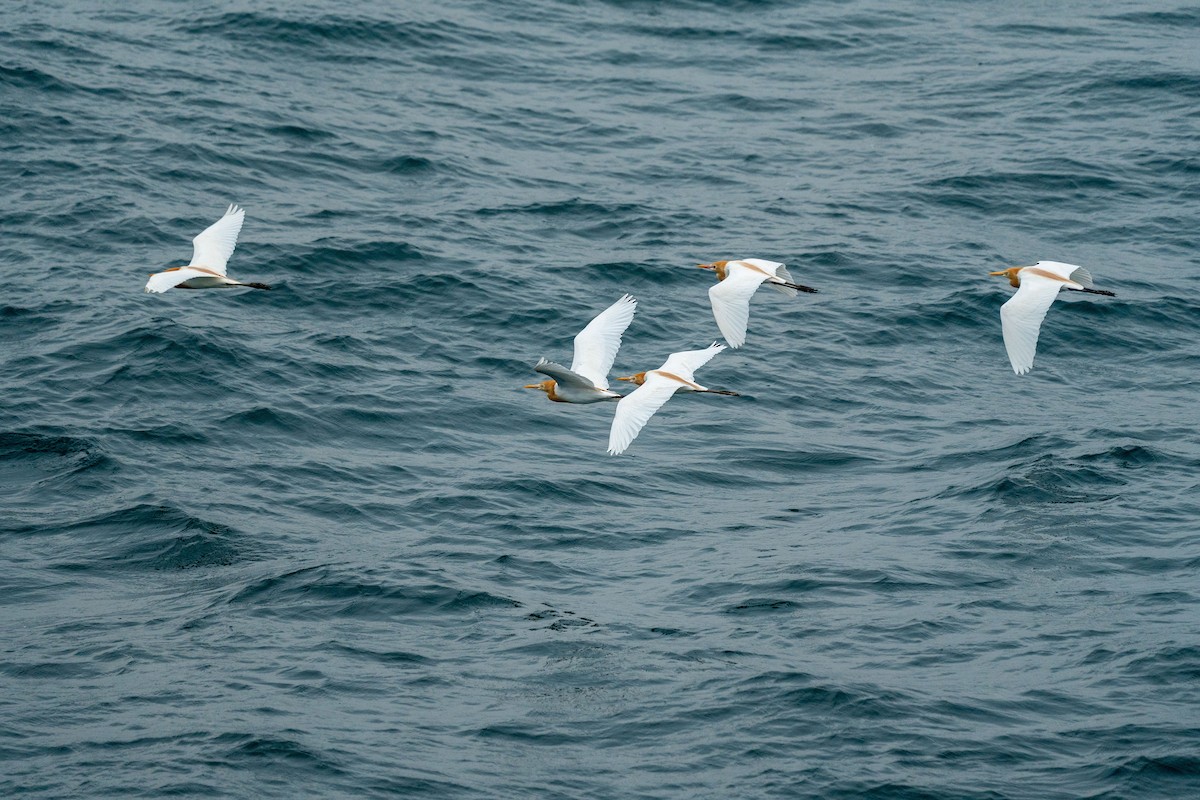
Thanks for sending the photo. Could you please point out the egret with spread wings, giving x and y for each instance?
(1037, 287)
(210, 252)
(595, 350)
(738, 280)
(655, 388)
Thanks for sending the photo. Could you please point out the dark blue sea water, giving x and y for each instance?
(318, 542)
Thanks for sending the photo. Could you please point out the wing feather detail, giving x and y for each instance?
(1083, 277)
(1021, 318)
(635, 409)
(731, 302)
(213, 247)
(597, 344)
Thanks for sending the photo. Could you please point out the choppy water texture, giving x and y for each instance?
(317, 541)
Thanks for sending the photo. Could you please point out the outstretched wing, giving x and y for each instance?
(562, 376)
(687, 362)
(731, 301)
(1021, 317)
(635, 409)
(596, 345)
(212, 248)
(162, 281)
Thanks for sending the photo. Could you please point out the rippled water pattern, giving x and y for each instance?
(318, 542)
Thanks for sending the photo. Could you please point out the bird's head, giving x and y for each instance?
(1011, 274)
(639, 378)
(717, 267)
(546, 386)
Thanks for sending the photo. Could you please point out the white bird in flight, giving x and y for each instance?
(595, 349)
(1037, 286)
(655, 388)
(210, 252)
(738, 280)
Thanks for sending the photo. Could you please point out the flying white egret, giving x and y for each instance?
(595, 349)
(1037, 286)
(655, 388)
(738, 280)
(210, 252)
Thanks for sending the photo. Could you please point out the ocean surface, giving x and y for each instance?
(319, 542)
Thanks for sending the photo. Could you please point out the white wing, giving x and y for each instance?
(212, 248)
(596, 345)
(162, 281)
(635, 409)
(1021, 317)
(685, 363)
(731, 301)
(562, 375)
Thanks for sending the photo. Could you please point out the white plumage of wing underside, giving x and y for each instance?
(1021, 318)
(685, 363)
(597, 344)
(635, 409)
(563, 376)
(162, 281)
(731, 301)
(213, 247)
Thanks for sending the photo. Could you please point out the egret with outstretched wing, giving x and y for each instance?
(210, 253)
(656, 387)
(595, 350)
(738, 281)
(1037, 287)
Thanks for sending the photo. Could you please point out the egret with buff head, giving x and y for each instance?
(595, 350)
(1037, 287)
(737, 281)
(655, 388)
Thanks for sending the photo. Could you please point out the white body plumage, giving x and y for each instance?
(210, 254)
